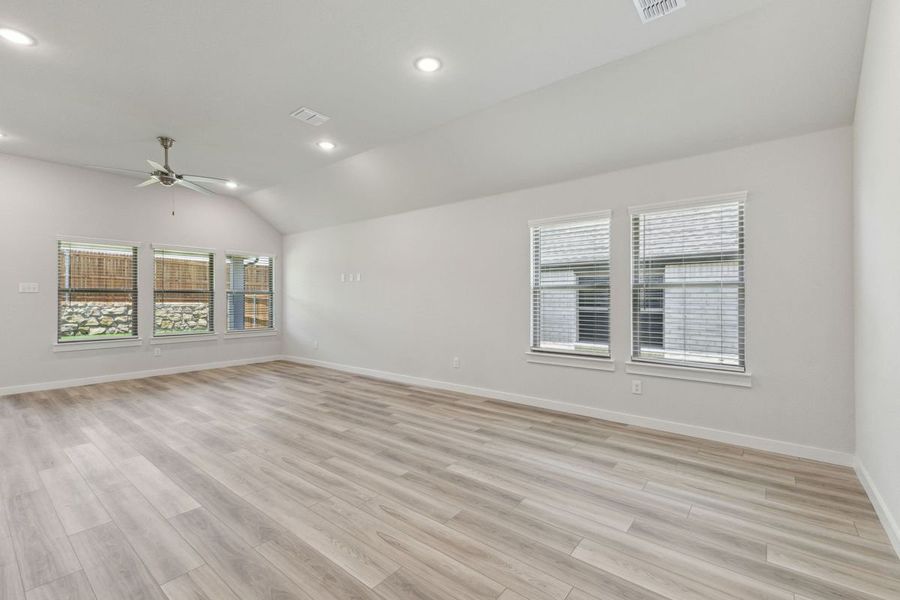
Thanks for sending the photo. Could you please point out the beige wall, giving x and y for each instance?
(453, 281)
(42, 200)
(877, 264)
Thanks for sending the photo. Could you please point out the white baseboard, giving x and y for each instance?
(759, 443)
(64, 383)
(888, 519)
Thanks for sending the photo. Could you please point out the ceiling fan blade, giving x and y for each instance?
(206, 179)
(150, 181)
(194, 186)
(102, 168)
(157, 166)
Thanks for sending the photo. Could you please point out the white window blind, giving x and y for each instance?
(688, 284)
(182, 292)
(97, 292)
(570, 285)
(249, 292)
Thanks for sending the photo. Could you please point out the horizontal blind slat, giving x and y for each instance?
(570, 286)
(688, 285)
(96, 291)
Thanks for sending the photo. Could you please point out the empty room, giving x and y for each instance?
(450, 300)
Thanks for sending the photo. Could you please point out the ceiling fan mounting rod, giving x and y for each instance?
(166, 143)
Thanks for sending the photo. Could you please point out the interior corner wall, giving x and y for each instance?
(877, 264)
(453, 281)
(41, 201)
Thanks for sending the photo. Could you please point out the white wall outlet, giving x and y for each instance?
(359, 277)
(343, 277)
(29, 288)
(157, 352)
(637, 386)
(316, 344)
(455, 362)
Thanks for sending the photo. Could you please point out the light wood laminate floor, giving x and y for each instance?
(281, 481)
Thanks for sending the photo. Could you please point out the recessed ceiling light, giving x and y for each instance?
(428, 64)
(16, 37)
(326, 145)
(2, 135)
(231, 184)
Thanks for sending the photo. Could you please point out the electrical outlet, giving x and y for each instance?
(359, 277)
(637, 386)
(157, 352)
(343, 277)
(316, 344)
(455, 362)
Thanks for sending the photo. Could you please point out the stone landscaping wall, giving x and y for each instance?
(181, 317)
(115, 318)
(95, 318)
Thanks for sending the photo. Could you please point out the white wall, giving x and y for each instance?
(453, 281)
(40, 201)
(877, 263)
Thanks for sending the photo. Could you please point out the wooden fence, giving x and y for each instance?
(106, 273)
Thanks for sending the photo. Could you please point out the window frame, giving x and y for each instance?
(260, 331)
(671, 368)
(535, 351)
(209, 333)
(112, 342)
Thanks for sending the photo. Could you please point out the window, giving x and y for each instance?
(97, 292)
(250, 298)
(570, 285)
(182, 292)
(688, 284)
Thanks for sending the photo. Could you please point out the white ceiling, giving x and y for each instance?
(532, 91)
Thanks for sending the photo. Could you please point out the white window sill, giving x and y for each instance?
(251, 333)
(575, 362)
(184, 337)
(689, 373)
(96, 345)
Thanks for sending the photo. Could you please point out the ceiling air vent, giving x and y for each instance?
(650, 10)
(309, 116)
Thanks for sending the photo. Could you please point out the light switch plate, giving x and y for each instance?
(29, 288)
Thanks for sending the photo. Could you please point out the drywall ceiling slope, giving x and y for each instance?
(789, 68)
(222, 76)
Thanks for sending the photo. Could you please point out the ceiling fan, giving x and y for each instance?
(164, 175)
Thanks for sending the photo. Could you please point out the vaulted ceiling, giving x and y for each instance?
(531, 92)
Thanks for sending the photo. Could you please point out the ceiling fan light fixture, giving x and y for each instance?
(326, 145)
(14, 36)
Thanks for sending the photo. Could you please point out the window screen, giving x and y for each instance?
(249, 292)
(182, 292)
(688, 284)
(97, 292)
(570, 286)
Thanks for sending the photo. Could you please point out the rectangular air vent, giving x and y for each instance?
(650, 10)
(309, 116)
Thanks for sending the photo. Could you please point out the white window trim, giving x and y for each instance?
(703, 375)
(58, 346)
(643, 209)
(90, 240)
(167, 338)
(97, 344)
(180, 248)
(176, 338)
(574, 218)
(237, 333)
(575, 361)
(251, 333)
(719, 375)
